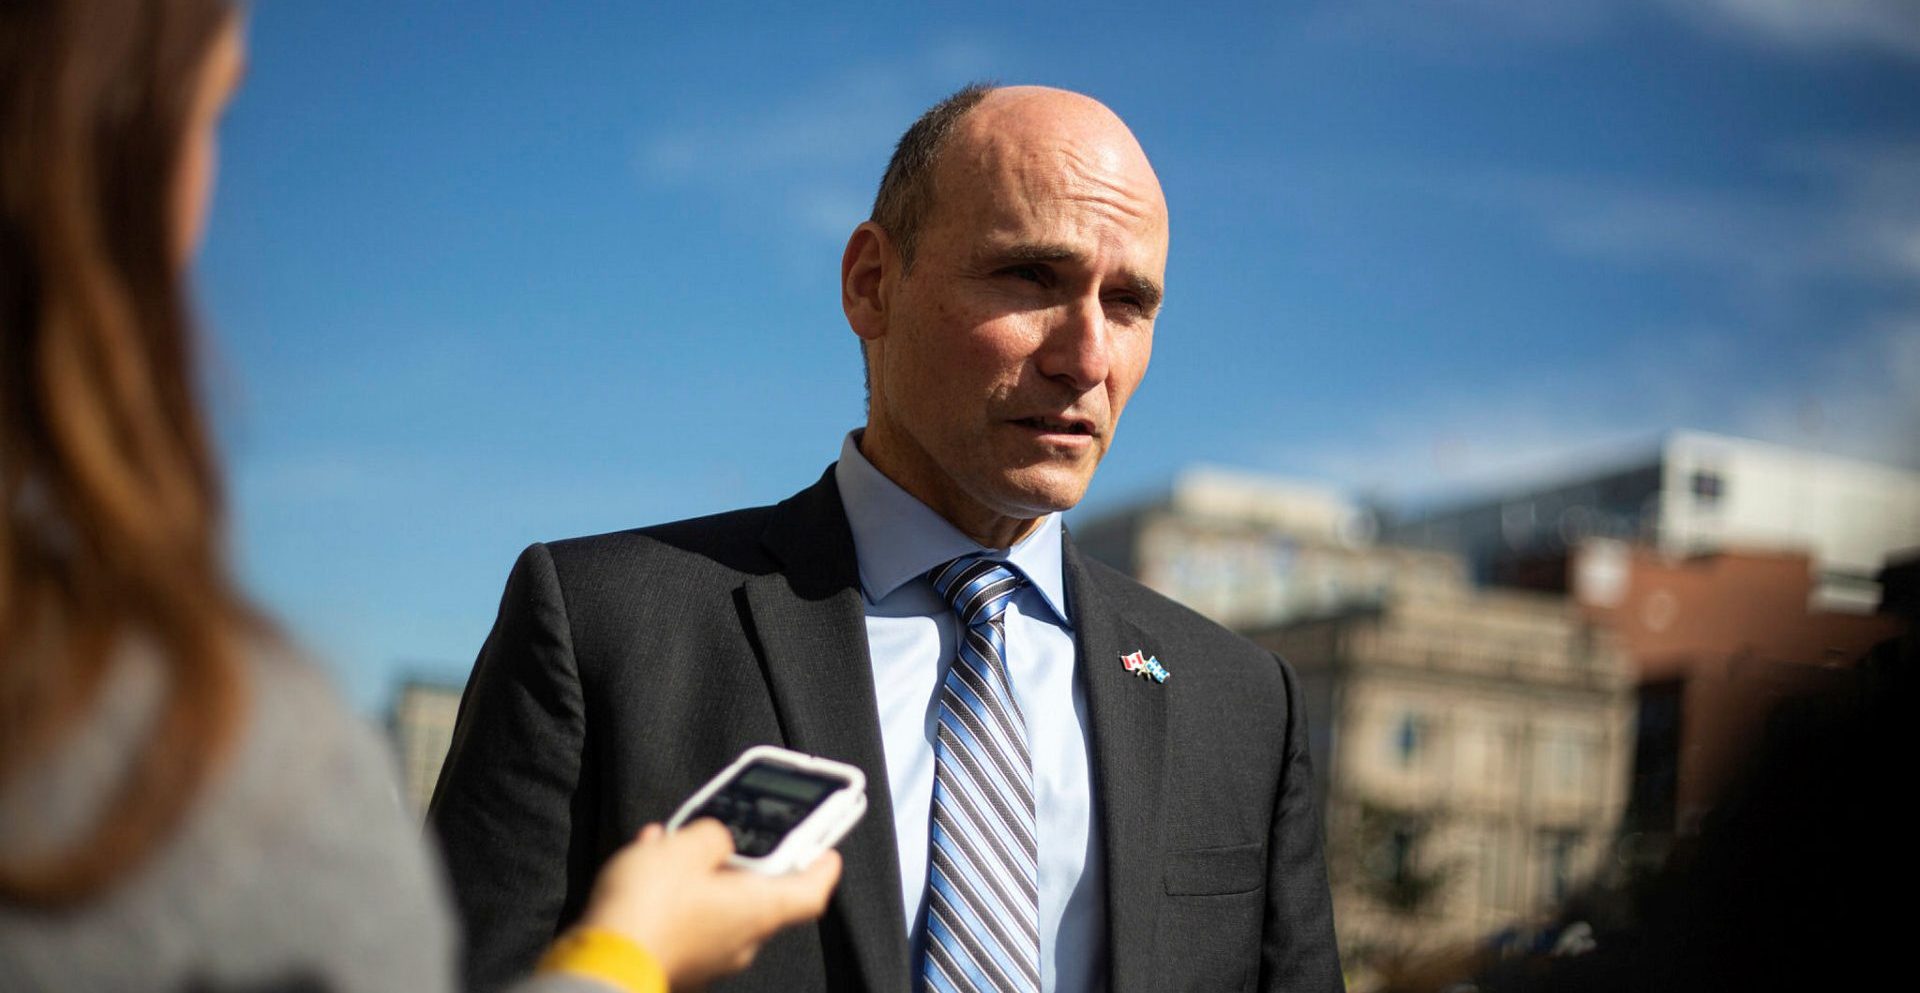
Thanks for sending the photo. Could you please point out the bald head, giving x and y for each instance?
(1026, 147)
(1029, 120)
(1007, 114)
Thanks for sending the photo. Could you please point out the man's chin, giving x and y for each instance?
(1038, 491)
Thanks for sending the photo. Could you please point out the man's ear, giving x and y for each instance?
(865, 266)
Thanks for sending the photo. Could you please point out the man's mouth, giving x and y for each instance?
(1057, 425)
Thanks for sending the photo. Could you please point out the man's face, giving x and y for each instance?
(1016, 339)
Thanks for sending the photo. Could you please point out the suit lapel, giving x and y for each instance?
(811, 627)
(1129, 718)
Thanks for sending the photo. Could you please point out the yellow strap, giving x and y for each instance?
(608, 956)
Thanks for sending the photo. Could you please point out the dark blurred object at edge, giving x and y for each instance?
(1801, 879)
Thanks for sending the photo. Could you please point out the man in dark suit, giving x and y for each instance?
(1074, 783)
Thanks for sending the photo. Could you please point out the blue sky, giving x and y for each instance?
(486, 273)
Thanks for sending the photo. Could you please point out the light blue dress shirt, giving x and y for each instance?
(912, 636)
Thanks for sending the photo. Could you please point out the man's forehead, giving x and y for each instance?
(1036, 136)
(993, 177)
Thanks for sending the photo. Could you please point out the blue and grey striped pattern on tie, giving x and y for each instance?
(983, 901)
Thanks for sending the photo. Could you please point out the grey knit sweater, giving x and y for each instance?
(297, 869)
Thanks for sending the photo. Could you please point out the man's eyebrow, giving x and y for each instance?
(1033, 252)
(1145, 287)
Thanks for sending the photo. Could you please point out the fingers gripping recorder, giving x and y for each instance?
(783, 807)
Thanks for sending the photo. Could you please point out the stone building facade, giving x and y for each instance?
(1473, 750)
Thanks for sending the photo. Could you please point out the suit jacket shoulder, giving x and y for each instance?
(622, 671)
(726, 544)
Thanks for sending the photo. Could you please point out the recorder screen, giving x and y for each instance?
(764, 802)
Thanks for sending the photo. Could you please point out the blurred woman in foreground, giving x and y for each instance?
(183, 804)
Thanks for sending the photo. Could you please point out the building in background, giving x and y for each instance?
(1251, 551)
(1696, 493)
(1473, 746)
(1474, 749)
(422, 726)
(1715, 642)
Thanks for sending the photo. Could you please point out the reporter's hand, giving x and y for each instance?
(700, 919)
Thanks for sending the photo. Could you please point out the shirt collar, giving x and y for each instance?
(896, 538)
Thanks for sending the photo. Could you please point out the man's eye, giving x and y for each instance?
(1028, 273)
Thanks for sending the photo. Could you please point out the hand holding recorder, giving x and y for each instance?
(679, 891)
(699, 918)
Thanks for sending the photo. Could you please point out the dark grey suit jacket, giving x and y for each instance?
(626, 669)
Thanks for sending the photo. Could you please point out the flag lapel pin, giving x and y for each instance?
(1144, 666)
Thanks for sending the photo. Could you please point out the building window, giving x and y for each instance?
(1656, 757)
(1395, 870)
(1399, 856)
(1409, 738)
(1707, 487)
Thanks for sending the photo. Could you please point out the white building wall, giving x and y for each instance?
(1850, 515)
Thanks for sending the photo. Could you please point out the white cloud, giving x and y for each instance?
(812, 155)
(1825, 210)
(305, 480)
(1454, 26)
(1888, 25)
(1745, 234)
(1877, 195)
(831, 126)
(1862, 399)
(1441, 26)
(831, 211)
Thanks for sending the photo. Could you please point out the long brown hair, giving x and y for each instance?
(109, 484)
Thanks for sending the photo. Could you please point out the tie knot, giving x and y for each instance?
(978, 588)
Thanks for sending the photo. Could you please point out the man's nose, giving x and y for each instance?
(1076, 349)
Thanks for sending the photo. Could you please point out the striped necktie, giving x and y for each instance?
(983, 902)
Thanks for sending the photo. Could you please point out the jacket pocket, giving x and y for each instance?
(1216, 871)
